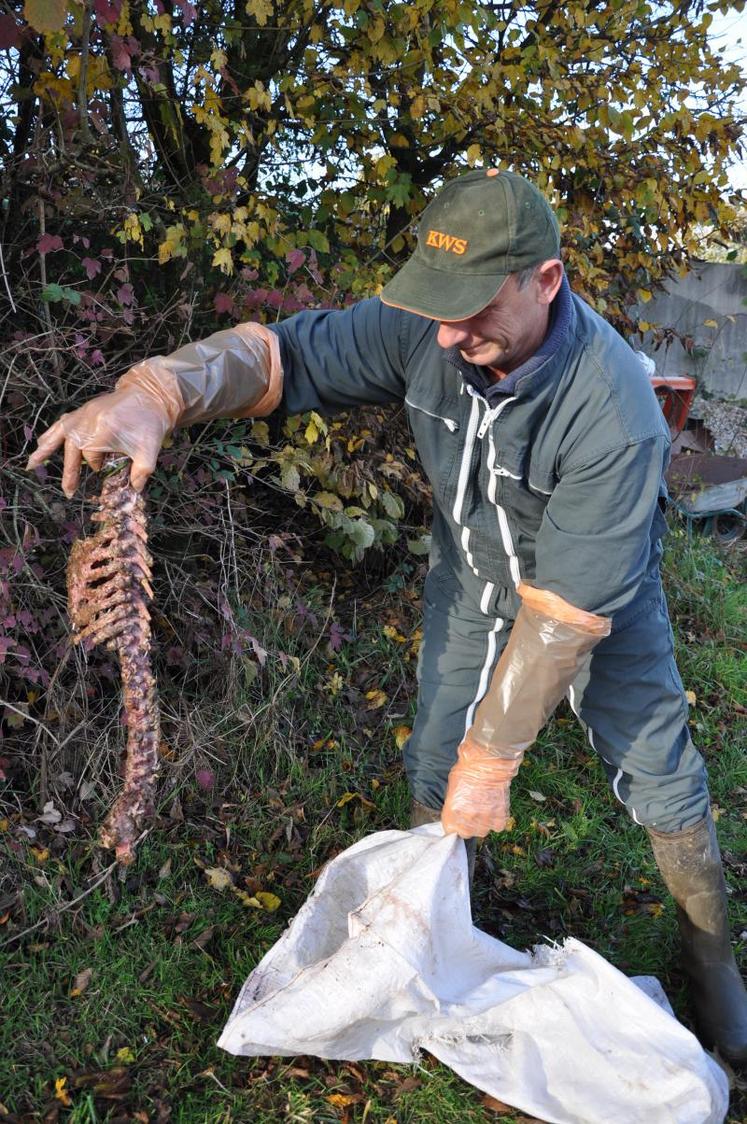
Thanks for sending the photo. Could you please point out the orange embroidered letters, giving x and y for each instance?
(448, 242)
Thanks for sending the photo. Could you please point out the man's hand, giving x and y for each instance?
(133, 420)
(477, 796)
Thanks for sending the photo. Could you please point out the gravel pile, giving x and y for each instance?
(726, 421)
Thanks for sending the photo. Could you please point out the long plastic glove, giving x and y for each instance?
(235, 373)
(549, 641)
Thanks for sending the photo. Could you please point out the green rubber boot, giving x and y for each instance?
(690, 864)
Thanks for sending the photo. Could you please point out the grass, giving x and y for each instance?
(113, 1004)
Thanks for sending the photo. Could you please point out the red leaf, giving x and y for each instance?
(48, 243)
(107, 11)
(122, 51)
(295, 258)
(92, 267)
(189, 12)
(205, 779)
(223, 302)
(10, 33)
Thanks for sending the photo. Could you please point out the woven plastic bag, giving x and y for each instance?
(383, 962)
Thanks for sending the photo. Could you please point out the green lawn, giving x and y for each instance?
(115, 991)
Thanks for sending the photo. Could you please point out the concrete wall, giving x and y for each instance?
(710, 292)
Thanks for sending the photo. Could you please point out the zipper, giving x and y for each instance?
(464, 468)
(491, 414)
(450, 424)
(508, 546)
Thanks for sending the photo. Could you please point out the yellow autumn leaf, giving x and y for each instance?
(710, 323)
(644, 295)
(417, 108)
(222, 258)
(474, 152)
(341, 1100)
(125, 1055)
(247, 899)
(45, 15)
(376, 698)
(173, 245)
(401, 734)
(41, 854)
(218, 877)
(348, 796)
(691, 697)
(268, 901)
(132, 230)
(60, 1092)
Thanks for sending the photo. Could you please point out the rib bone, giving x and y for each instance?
(108, 583)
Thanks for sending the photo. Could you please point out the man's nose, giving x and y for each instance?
(452, 334)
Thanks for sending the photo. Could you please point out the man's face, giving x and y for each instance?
(508, 331)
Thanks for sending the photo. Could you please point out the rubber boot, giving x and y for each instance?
(690, 864)
(420, 814)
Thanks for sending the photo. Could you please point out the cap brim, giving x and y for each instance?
(440, 295)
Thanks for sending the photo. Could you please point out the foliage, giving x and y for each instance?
(171, 167)
(136, 978)
(223, 139)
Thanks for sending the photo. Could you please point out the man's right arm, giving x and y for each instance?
(334, 360)
(322, 360)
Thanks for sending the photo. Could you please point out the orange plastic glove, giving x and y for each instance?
(477, 795)
(235, 373)
(133, 420)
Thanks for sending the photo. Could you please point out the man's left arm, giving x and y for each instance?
(592, 554)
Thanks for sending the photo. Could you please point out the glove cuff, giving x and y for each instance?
(236, 373)
(549, 642)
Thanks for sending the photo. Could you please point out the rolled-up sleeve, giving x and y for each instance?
(336, 359)
(594, 543)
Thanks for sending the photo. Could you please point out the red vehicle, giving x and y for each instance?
(704, 486)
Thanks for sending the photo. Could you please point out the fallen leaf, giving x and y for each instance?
(348, 796)
(50, 815)
(376, 699)
(269, 901)
(81, 982)
(497, 1106)
(538, 796)
(341, 1100)
(401, 734)
(125, 1055)
(60, 1092)
(218, 878)
(691, 697)
(41, 854)
(204, 938)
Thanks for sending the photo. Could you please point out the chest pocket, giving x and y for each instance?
(438, 426)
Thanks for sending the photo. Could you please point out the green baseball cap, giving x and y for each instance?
(481, 227)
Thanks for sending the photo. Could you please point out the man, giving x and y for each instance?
(544, 444)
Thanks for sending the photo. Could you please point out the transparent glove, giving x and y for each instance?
(478, 792)
(549, 641)
(235, 373)
(133, 420)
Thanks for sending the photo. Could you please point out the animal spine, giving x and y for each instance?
(108, 582)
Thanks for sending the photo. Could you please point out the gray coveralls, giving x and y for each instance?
(553, 475)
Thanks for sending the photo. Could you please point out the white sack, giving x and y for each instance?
(383, 961)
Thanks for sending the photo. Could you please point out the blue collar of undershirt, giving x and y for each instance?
(561, 314)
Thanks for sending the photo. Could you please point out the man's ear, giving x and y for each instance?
(548, 278)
